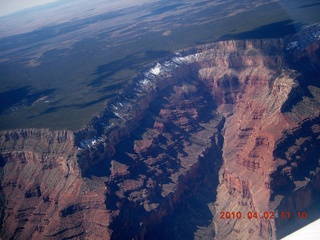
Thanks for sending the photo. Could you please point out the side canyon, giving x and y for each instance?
(231, 126)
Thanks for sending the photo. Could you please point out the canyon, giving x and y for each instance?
(230, 126)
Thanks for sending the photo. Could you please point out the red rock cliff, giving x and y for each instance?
(42, 193)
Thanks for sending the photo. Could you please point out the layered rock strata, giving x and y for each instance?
(230, 126)
(43, 195)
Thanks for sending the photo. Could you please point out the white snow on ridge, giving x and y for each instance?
(293, 45)
(180, 60)
(149, 80)
(114, 107)
(156, 69)
(192, 58)
(145, 82)
(118, 115)
(168, 66)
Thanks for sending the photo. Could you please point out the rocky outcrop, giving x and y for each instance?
(166, 157)
(296, 181)
(42, 192)
(258, 171)
(230, 126)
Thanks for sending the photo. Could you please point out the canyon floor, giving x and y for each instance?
(213, 142)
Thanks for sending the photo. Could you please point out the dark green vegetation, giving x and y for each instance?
(48, 82)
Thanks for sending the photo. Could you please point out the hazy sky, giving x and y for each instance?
(61, 12)
(11, 6)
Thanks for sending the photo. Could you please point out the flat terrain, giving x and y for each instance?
(61, 63)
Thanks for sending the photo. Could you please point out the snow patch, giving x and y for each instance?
(156, 69)
(293, 45)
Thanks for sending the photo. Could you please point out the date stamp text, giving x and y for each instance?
(263, 215)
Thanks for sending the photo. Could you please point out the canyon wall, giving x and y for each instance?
(270, 140)
(43, 195)
(231, 126)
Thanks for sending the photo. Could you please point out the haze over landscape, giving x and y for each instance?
(153, 119)
(12, 6)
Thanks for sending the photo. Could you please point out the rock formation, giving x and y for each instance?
(231, 126)
(42, 192)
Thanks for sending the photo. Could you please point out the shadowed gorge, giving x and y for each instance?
(230, 126)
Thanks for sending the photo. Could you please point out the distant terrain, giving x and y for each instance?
(61, 63)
